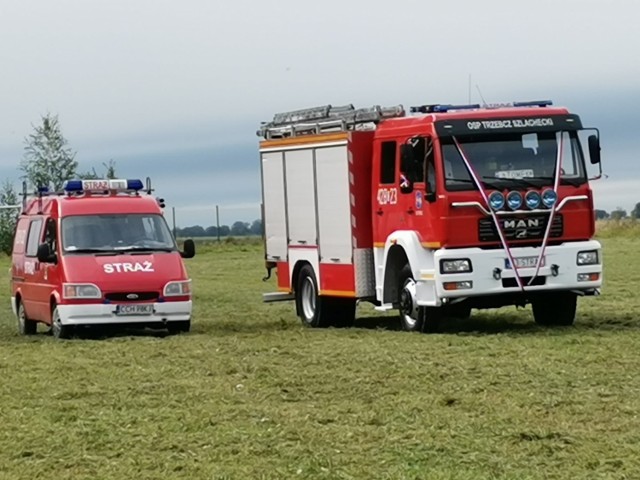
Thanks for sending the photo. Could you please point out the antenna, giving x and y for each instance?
(481, 97)
(469, 88)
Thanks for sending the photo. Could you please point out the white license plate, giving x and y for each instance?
(524, 262)
(146, 309)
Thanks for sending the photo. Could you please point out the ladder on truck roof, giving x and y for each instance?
(326, 118)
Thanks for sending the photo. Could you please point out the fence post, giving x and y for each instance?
(218, 223)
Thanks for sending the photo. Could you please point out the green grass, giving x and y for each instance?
(252, 394)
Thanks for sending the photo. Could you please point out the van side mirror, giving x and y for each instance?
(45, 255)
(594, 149)
(189, 249)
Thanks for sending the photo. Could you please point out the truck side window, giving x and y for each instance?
(33, 237)
(430, 166)
(419, 145)
(388, 162)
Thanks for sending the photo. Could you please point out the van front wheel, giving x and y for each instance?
(58, 330)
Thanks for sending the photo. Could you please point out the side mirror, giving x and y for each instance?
(407, 168)
(189, 249)
(430, 197)
(594, 149)
(45, 255)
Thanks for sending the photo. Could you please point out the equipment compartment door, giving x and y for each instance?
(275, 215)
(301, 198)
(334, 211)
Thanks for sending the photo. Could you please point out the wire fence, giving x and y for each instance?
(216, 220)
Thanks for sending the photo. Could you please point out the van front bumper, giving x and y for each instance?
(103, 314)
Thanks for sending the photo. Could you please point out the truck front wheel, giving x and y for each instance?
(414, 318)
(320, 311)
(555, 309)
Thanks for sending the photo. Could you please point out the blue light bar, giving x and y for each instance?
(72, 186)
(43, 190)
(134, 184)
(446, 108)
(534, 103)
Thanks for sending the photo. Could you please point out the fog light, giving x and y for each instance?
(532, 199)
(496, 200)
(588, 277)
(514, 200)
(549, 198)
(459, 265)
(457, 285)
(590, 257)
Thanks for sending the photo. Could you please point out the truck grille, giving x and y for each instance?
(529, 227)
(131, 296)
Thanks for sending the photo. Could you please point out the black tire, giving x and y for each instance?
(58, 330)
(182, 326)
(317, 311)
(25, 325)
(555, 309)
(460, 311)
(414, 318)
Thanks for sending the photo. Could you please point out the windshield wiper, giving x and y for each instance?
(90, 250)
(137, 248)
(572, 182)
(522, 181)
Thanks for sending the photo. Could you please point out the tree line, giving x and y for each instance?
(238, 229)
(618, 214)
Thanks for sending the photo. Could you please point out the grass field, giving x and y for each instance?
(250, 393)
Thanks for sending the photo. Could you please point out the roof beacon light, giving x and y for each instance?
(534, 103)
(103, 185)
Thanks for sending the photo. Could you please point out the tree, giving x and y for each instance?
(256, 227)
(239, 229)
(48, 160)
(109, 171)
(618, 214)
(635, 213)
(8, 216)
(601, 215)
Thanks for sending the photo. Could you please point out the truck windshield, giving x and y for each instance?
(513, 160)
(116, 233)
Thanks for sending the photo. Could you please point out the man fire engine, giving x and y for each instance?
(452, 208)
(98, 253)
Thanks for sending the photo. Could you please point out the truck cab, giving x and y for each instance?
(98, 253)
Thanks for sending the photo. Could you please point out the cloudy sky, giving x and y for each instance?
(176, 90)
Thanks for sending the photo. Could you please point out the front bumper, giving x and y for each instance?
(559, 272)
(103, 314)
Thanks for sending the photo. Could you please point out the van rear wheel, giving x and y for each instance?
(25, 325)
(58, 330)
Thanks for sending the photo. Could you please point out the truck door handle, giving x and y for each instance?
(410, 211)
(379, 211)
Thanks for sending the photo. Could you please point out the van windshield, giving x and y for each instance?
(115, 233)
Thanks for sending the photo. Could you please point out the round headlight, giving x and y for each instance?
(496, 200)
(549, 198)
(514, 200)
(532, 199)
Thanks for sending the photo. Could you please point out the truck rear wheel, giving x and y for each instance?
(319, 311)
(555, 309)
(25, 325)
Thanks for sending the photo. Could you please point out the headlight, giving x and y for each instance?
(532, 199)
(514, 200)
(175, 289)
(80, 291)
(549, 198)
(589, 257)
(459, 265)
(496, 200)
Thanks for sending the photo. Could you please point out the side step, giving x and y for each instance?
(277, 297)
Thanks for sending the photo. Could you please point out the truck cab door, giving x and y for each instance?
(386, 211)
(418, 190)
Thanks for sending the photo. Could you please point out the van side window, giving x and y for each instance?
(388, 162)
(51, 236)
(33, 238)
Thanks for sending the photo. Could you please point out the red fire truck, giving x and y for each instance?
(433, 213)
(98, 253)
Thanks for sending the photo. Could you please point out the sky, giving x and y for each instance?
(176, 90)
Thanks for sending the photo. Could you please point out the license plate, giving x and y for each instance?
(523, 262)
(146, 309)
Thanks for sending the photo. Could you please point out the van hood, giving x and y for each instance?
(125, 272)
